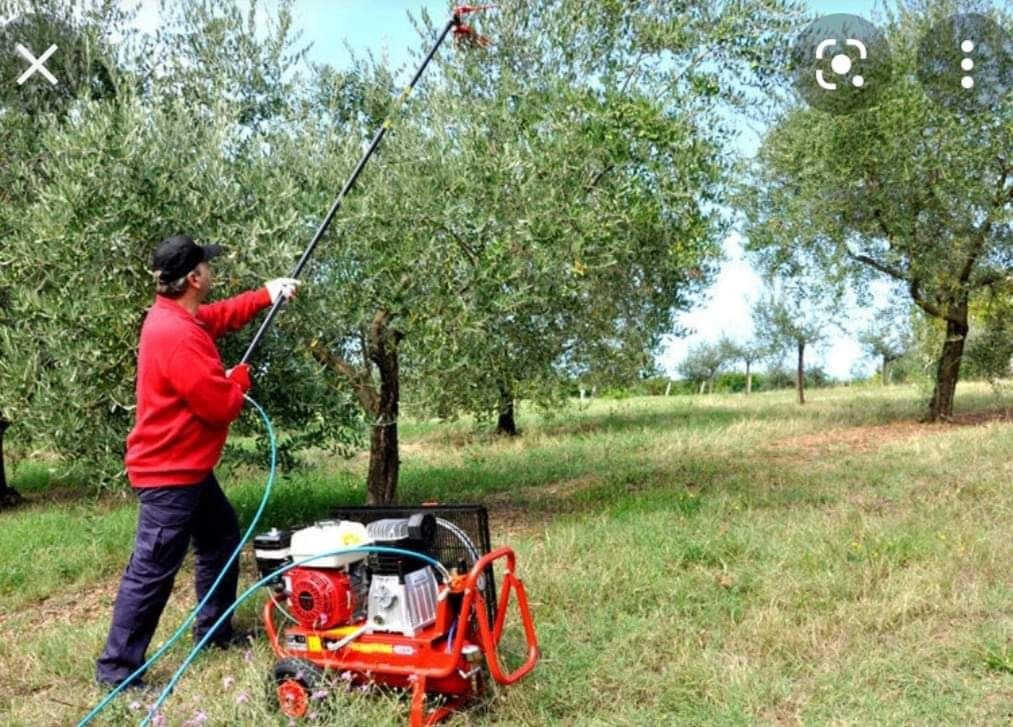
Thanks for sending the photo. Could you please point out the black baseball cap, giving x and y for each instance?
(177, 255)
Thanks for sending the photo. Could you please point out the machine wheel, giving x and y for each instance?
(292, 684)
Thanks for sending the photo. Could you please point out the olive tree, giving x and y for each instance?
(906, 191)
(543, 207)
(749, 352)
(990, 345)
(888, 339)
(88, 68)
(703, 362)
(793, 317)
(173, 151)
(595, 168)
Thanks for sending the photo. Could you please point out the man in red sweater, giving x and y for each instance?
(186, 401)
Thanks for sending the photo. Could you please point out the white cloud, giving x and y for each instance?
(727, 310)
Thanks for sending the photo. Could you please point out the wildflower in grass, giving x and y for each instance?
(347, 677)
(134, 706)
(243, 698)
(248, 655)
(228, 682)
(197, 720)
(158, 720)
(319, 694)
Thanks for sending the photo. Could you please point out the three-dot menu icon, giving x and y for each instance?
(965, 63)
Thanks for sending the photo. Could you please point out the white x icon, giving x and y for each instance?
(36, 64)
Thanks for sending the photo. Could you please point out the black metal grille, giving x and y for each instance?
(472, 519)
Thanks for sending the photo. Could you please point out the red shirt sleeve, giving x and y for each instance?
(231, 314)
(199, 377)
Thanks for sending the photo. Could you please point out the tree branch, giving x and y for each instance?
(468, 250)
(985, 230)
(893, 272)
(380, 320)
(931, 308)
(358, 379)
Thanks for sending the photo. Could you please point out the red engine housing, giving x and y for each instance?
(319, 598)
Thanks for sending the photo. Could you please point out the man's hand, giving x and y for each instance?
(241, 375)
(282, 286)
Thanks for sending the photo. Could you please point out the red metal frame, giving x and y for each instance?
(428, 662)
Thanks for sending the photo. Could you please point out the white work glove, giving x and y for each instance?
(282, 286)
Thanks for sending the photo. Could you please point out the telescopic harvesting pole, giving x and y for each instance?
(460, 30)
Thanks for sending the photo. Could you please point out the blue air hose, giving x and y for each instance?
(182, 628)
(253, 589)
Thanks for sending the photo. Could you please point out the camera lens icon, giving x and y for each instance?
(841, 64)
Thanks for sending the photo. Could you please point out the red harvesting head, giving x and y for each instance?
(465, 35)
(461, 10)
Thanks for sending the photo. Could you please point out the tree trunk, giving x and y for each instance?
(800, 373)
(749, 379)
(505, 423)
(8, 495)
(886, 371)
(948, 370)
(703, 386)
(384, 464)
(384, 459)
(379, 403)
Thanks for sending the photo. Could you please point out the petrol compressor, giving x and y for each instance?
(413, 606)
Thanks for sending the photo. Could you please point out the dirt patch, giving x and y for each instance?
(868, 439)
(528, 510)
(80, 603)
(984, 416)
(77, 605)
(67, 495)
(853, 439)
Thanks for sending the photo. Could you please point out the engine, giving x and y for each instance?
(319, 598)
(391, 593)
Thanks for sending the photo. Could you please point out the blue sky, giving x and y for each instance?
(383, 26)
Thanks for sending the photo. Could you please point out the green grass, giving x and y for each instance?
(690, 560)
